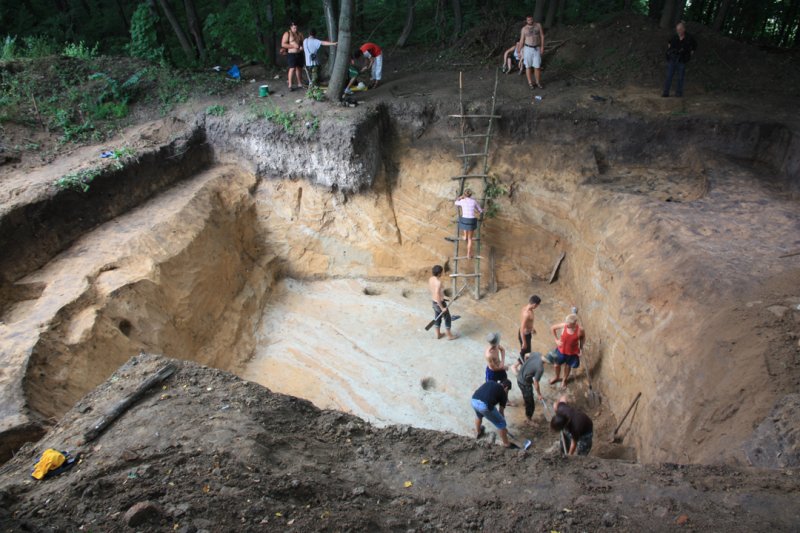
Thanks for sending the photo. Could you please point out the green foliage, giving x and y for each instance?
(277, 116)
(79, 181)
(144, 38)
(312, 123)
(494, 190)
(8, 51)
(216, 110)
(232, 32)
(80, 50)
(114, 91)
(315, 93)
(39, 46)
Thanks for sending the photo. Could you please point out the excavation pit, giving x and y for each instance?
(319, 292)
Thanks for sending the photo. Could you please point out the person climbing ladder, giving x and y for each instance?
(468, 221)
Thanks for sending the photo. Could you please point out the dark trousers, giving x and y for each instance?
(446, 316)
(527, 395)
(672, 67)
(526, 350)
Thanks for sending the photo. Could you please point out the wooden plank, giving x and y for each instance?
(472, 135)
(453, 239)
(124, 404)
(555, 268)
(475, 116)
(789, 255)
(465, 275)
(473, 155)
(468, 176)
(465, 257)
(492, 278)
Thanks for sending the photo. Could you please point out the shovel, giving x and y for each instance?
(594, 398)
(547, 417)
(432, 322)
(616, 439)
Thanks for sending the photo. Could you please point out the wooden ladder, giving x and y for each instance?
(470, 153)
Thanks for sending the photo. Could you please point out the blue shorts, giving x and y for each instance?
(492, 415)
(557, 358)
(467, 224)
(495, 375)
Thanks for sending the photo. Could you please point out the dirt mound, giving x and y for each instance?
(208, 451)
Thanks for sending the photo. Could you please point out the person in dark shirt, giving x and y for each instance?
(680, 50)
(576, 426)
(489, 396)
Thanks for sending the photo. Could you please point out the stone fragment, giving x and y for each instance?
(146, 511)
(778, 310)
(682, 519)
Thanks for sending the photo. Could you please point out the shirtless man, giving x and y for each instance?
(495, 359)
(439, 303)
(531, 49)
(526, 330)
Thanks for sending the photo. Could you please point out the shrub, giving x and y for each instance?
(216, 110)
(8, 50)
(39, 46)
(80, 50)
(144, 40)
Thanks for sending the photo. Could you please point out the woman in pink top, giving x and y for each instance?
(468, 221)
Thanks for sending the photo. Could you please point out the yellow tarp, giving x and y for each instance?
(51, 459)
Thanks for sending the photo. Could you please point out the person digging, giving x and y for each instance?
(489, 401)
(528, 378)
(575, 425)
(568, 348)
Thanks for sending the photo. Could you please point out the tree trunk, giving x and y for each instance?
(195, 28)
(667, 14)
(161, 34)
(678, 15)
(272, 46)
(551, 14)
(562, 8)
(627, 5)
(261, 35)
(176, 27)
(401, 42)
(654, 8)
(123, 16)
(339, 77)
(719, 18)
(457, 18)
(538, 11)
(330, 24)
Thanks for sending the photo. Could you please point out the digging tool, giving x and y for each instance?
(594, 398)
(432, 322)
(547, 417)
(617, 438)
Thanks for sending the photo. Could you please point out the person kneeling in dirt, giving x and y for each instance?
(489, 396)
(568, 347)
(439, 303)
(576, 426)
(528, 378)
(508, 64)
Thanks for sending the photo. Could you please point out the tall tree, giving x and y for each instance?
(680, 7)
(538, 11)
(330, 24)
(195, 28)
(406, 33)
(551, 14)
(263, 33)
(458, 18)
(722, 12)
(562, 9)
(176, 27)
(339, 77)
(667, 14)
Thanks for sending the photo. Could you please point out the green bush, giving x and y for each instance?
(144, 39)
(80, 50)
(39, 46)
(216, 110)
(277, 116)
(79, 181)
(8, 50)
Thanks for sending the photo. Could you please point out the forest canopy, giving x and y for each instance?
(197, 32)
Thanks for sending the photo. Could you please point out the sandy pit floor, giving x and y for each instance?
(361, 347)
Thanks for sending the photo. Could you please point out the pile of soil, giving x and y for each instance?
(207, 451)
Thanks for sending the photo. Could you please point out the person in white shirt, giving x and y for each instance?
(468, 221)
(311, 47)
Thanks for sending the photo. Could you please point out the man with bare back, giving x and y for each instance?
(526, 329)
(495, 359)
(440, 310)
(531, 49)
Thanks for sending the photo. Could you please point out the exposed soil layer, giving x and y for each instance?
(212, 452)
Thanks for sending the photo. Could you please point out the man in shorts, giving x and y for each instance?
(568, 347)
(440, 310)
(526, 330)
(528, 378)
(495, 359)
(311, 47)
(489, 402)
(374, 55)
(531, 48)
(575, 425)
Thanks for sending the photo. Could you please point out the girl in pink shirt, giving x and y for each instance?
(468, 221)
